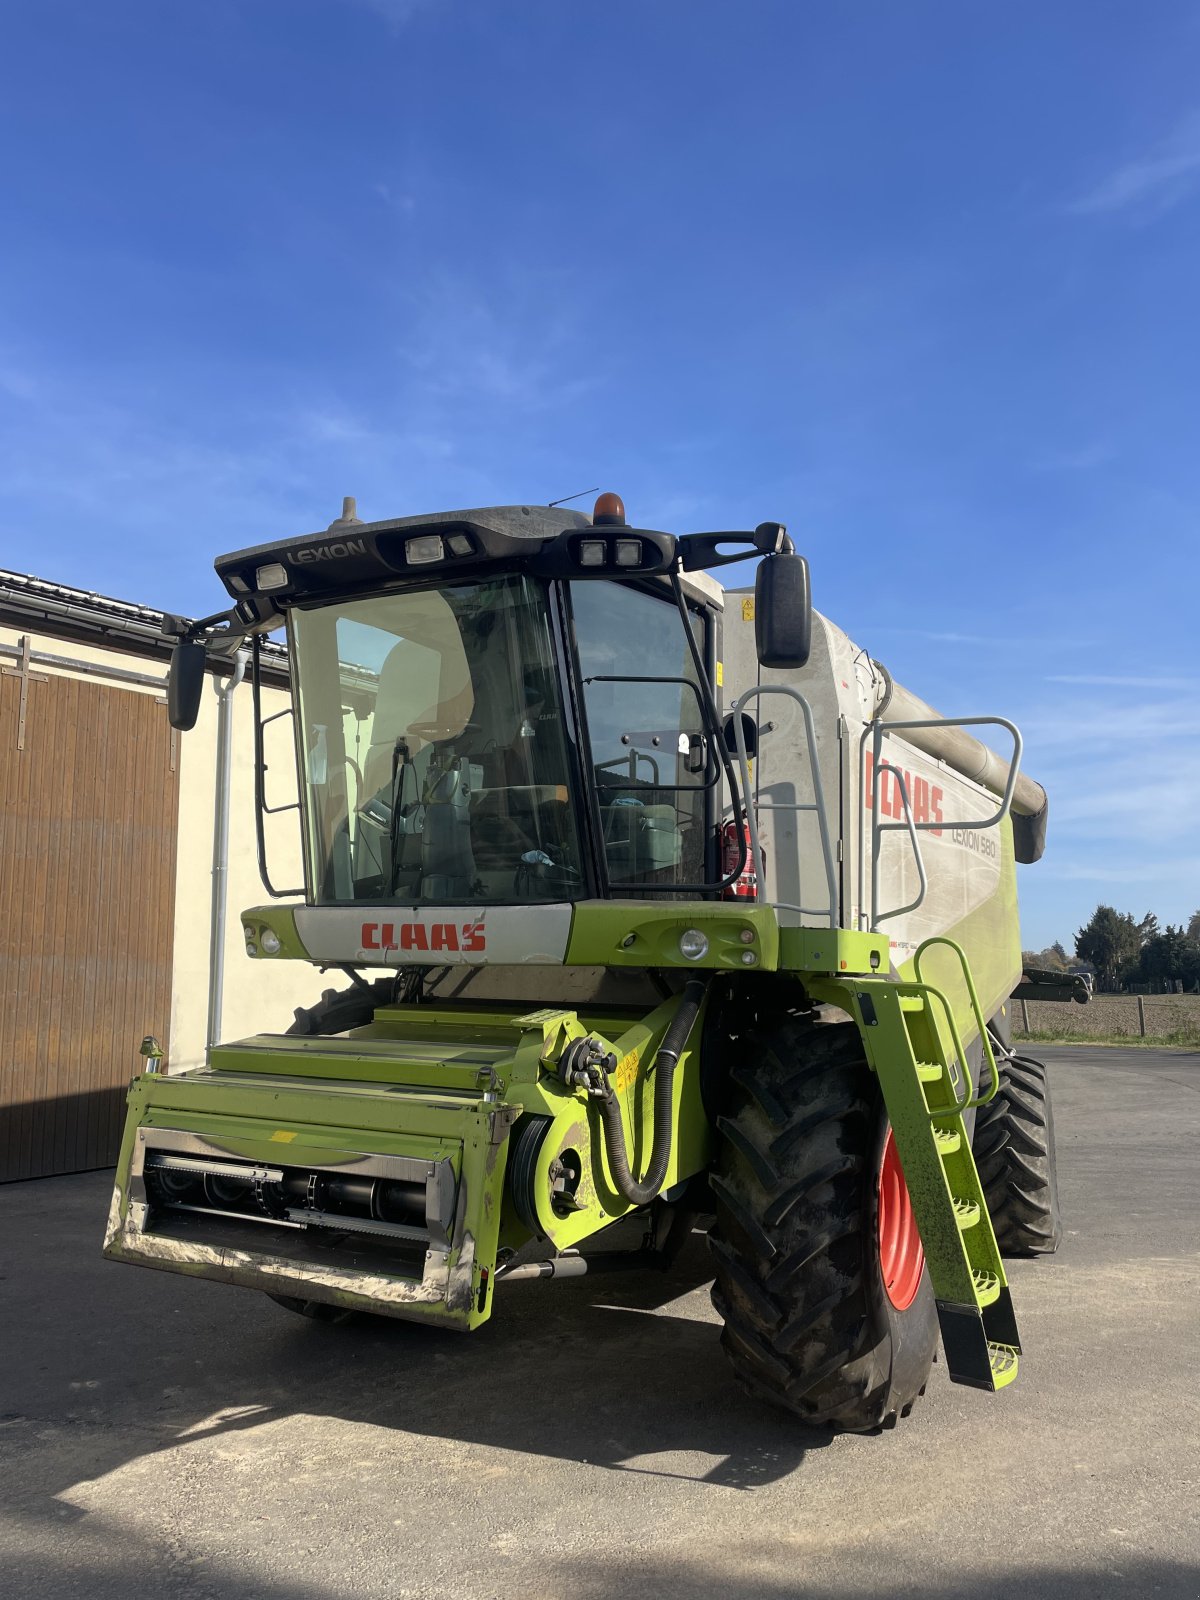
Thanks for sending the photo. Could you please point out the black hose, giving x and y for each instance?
(665, 1062)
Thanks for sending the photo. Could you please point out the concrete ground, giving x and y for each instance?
(161, 1437)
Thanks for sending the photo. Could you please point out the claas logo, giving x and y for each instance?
(433, 936)
(924, 797)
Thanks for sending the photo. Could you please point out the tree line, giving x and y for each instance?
(1124, 952)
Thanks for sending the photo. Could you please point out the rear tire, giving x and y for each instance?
(809, 1324)
(1013, 1146)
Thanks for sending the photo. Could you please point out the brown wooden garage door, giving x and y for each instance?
(88, 815)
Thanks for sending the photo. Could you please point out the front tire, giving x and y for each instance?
(314, 1310)
(810, 1324)
(339, 1010)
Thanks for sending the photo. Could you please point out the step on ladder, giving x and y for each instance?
(926, 1092)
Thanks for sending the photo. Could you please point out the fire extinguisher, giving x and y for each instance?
(745, 885)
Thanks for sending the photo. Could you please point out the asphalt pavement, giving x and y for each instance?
(161, 1437)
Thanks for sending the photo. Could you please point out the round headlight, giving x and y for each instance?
(693, 946)
(270, 942)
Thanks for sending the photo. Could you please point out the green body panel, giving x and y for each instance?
(832, 950)
(640, 933)
(282, 921)
(576, 1126)
(422, 1083)
(283, 1123)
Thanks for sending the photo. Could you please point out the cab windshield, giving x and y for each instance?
(431, 742)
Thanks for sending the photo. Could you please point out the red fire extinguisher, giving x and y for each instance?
(745, 885)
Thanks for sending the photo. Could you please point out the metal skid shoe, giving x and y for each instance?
(913, 1045)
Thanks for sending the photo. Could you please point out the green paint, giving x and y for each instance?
(832, 950)
(641, 933)
(282, 922)
(434, 1084)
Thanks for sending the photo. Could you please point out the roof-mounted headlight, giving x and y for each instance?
(273, 576)
(425, 547)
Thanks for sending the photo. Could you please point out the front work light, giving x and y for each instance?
(271, 577)
(693, 946)
(426, 547)
(460, 544)
(629, 552)
(592, 552)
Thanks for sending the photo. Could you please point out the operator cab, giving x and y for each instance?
(499, 707)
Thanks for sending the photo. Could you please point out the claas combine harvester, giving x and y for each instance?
(650, 899)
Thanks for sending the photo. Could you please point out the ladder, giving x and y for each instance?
(926, 1092)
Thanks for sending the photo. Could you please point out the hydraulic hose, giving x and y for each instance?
(641, 1193)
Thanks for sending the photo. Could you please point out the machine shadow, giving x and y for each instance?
(587, 1370)
(600, 1369)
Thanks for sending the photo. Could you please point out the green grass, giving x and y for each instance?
(1185, 1038)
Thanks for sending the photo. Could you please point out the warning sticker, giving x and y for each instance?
(748, 608)
(626, 1072)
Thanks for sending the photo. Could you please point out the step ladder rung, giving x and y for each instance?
(1003, 1359)
(966, 1212)
(912, 1002)
(987, 1287)
(947, 1141)
(929, 1071)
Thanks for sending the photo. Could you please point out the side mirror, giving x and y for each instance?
(782, 611)
(185, 684)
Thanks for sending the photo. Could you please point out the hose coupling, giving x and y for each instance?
(587, 1064)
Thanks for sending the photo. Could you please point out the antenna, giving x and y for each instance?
(578, 496)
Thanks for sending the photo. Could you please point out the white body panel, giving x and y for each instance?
(434, 936)
(963, 866)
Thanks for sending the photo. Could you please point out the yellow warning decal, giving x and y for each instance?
(282, 1136)
(626, 1072)
(748, 608)
(720, 674)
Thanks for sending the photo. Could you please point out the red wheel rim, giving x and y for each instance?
(901, 1255)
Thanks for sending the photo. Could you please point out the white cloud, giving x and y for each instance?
(1150, 184)
(1103, 681)
(1145, 872)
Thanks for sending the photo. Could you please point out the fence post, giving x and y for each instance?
(1024, 1016)
(1141, 1016)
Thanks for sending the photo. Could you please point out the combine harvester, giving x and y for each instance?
(677, 905)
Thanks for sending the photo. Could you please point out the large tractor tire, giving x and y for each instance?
(314, 1310)
(339, 1010)
(821, 1281)
(1013, 1144)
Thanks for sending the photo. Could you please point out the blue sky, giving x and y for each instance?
(918, 279)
